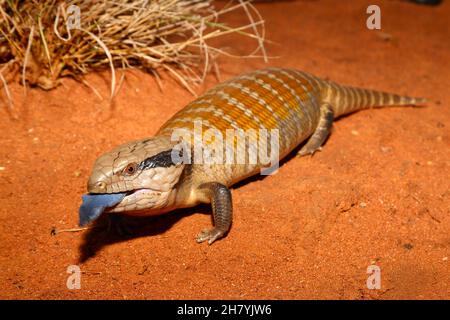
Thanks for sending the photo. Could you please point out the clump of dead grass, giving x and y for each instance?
(41, 41)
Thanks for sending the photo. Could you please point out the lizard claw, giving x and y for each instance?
(307, 151)
(210, 235)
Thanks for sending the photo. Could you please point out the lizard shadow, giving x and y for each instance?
(101, 234)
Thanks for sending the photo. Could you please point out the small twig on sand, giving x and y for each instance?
(55, 231)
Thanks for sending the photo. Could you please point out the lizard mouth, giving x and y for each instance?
(94, 204)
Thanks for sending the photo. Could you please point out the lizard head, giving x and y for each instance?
(134, 176)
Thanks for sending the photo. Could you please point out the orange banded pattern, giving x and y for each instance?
(274, 98)
(266, 99)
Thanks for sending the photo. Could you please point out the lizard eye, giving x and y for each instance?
(130, 169)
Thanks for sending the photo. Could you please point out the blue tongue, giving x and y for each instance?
(94, 204)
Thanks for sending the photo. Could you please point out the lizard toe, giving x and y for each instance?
(210, 235)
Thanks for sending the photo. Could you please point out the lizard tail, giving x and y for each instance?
(345, 99)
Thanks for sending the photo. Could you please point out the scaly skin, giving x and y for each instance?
(299, 105)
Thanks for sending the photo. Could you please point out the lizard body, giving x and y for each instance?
(300, 106)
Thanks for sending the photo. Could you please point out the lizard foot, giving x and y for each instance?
(210, 235)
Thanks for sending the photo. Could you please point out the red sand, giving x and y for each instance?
(377, 193)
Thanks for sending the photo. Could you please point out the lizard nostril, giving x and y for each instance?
(101, 185)
(96, 186)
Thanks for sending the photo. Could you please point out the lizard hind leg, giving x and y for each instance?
(321, 133)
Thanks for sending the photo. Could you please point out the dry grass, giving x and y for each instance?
(37, 43)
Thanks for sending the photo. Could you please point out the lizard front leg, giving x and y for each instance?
(222, 207)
